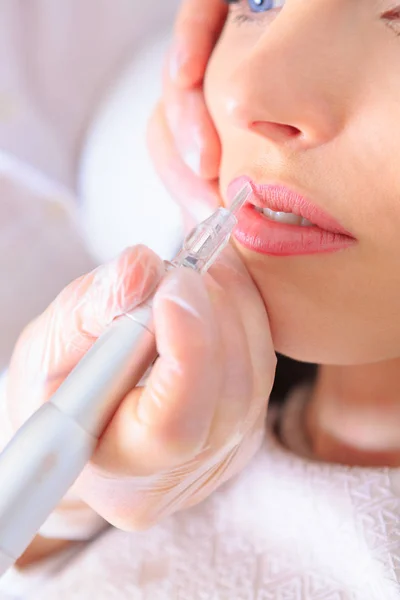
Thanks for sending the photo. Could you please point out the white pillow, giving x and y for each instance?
(123, 202)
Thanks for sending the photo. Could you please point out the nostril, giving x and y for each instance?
(277, 131)
(290, 131)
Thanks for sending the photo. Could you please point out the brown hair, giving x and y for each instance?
(290, 373)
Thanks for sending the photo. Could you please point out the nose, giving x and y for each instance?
(292, 86)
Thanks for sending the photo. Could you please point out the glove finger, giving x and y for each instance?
(192, 128)
(197, 29)
(196, 196)
(168, 422)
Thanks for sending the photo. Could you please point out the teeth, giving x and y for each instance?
(284, 217)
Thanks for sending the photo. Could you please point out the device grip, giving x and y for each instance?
(54, 445)
(50, 450)
(113, 366)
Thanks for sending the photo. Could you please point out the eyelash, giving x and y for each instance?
(245, 14)
(391, 16)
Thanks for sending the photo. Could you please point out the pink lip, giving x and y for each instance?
(260, 234)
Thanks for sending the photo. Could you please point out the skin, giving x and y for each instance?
(310, 99)
(343, 105)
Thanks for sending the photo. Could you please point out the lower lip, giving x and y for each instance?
(260, 234)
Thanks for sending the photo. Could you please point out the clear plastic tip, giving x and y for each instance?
(241, 198)
(205, 243)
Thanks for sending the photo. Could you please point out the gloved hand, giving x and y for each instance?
(199, 418)
(183, 142)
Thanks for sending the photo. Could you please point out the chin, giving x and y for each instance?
(323, 350)
(298, 351)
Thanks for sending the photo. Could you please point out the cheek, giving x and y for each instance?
(230, 51)
(235, 142)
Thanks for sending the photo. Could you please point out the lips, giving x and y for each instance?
(267, 232)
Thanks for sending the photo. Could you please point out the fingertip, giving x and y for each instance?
(182, 307)
(197, 29)
(186, 68)
(118, 287)
(196, 196)
(193, 131)
(187, 289)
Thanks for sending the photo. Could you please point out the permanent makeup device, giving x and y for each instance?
(47, 454)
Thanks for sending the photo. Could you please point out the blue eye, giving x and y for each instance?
(244, 10)
(260, 5)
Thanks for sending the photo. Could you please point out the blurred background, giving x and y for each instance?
(78, 81)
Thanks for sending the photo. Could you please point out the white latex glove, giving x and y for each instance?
(200, 417)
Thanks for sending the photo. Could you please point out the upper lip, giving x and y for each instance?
(281, 198)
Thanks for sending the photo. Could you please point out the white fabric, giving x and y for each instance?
(70, 74)
(119, 190)
(288, 528)
(57, 61)
(41, 246)
(15, 585)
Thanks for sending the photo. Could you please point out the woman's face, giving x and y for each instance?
(305, 95)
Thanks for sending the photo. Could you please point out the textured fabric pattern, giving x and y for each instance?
(287, 529)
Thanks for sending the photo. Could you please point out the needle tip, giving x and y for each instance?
(241, 198)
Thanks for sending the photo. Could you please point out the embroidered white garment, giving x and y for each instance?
(287, 528)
